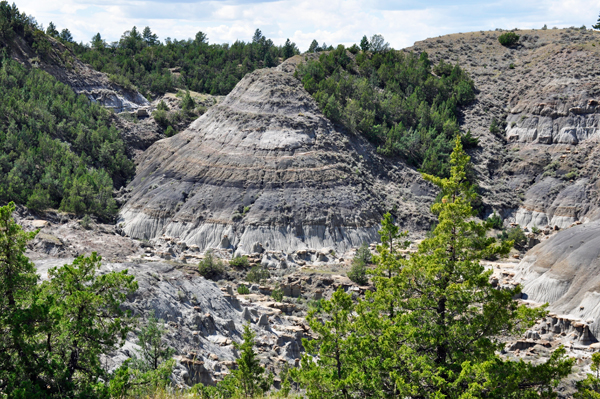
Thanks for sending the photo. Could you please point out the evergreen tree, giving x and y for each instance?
(590, 387)
(250, 375)
(597, 25)
(288, 49)
(201, 38)
(268, 61)
(256, 38)
(153, 352)
(66, 36)
(313, 47)
(430, 328)
(52, 334)
(364, 43)
(150, 38)
(51, 30)
(98, 42)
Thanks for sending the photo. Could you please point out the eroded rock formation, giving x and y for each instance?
(266, 167)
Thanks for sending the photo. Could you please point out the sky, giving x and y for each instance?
(401, 22)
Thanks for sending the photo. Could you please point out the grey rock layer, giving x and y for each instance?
(265, 166)
(565, 272)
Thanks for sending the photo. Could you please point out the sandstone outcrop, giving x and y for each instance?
(266, 169)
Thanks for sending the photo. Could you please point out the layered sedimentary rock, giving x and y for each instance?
(565, 272)
(540, 166)
(265, 166)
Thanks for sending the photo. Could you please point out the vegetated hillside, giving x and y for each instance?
(155, 68)
(539, 163)
(58, 149)
(23, 40)
(266, 168)
(400, 102)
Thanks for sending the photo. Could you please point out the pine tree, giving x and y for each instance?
(268, 61)
(430, 328)
(597, 26)
(150, 38)
(364, 43)
(590, 387)
(314, 46)
(51, 30)
(250, 375)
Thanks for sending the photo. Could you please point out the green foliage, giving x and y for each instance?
(243, 289)
(515, 235)
(495, 221)
(597, 25)
(358, 273)
(54, 332)
(148, 372)
(86, 222)
(170, 131)
(393, 99)
(240, 262)
(153, 352)
(277, 294)
(250, 375)
(494, 128)
(211, 267)
(141, 60)
(358, 270)
(590, 387)
(57, 150)
(257, 274)
(429, 329)
(508, 38)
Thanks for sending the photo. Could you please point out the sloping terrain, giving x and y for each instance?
(265, 167)
(540, 166)
(61, 63)
(565, 272)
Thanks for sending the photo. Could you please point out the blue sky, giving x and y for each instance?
(401, 22)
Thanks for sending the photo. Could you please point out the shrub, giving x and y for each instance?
(210, 267)
(515, 234)
(535, 230)
(495, 221)
(257, 274)
(358, 273)
(277, 294)
(170, 131)
(363, 254)
(508, 38)
(86, 222)
(243, 290)
(239, 261)
(160, 117)
(162, 106)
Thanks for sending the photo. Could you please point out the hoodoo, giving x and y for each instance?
(265, 166)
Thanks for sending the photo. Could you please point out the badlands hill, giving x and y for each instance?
(540, 167)
(265, 169)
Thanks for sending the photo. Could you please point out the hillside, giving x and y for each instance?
(540, 166)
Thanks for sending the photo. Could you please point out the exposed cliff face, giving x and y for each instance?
(565, 271)
(542, 168)
(266, 166)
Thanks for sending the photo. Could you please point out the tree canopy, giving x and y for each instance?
(430, 329)
(400, 101)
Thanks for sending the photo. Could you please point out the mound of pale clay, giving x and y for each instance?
(266, 167)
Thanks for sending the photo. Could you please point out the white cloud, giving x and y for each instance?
(335, 21)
